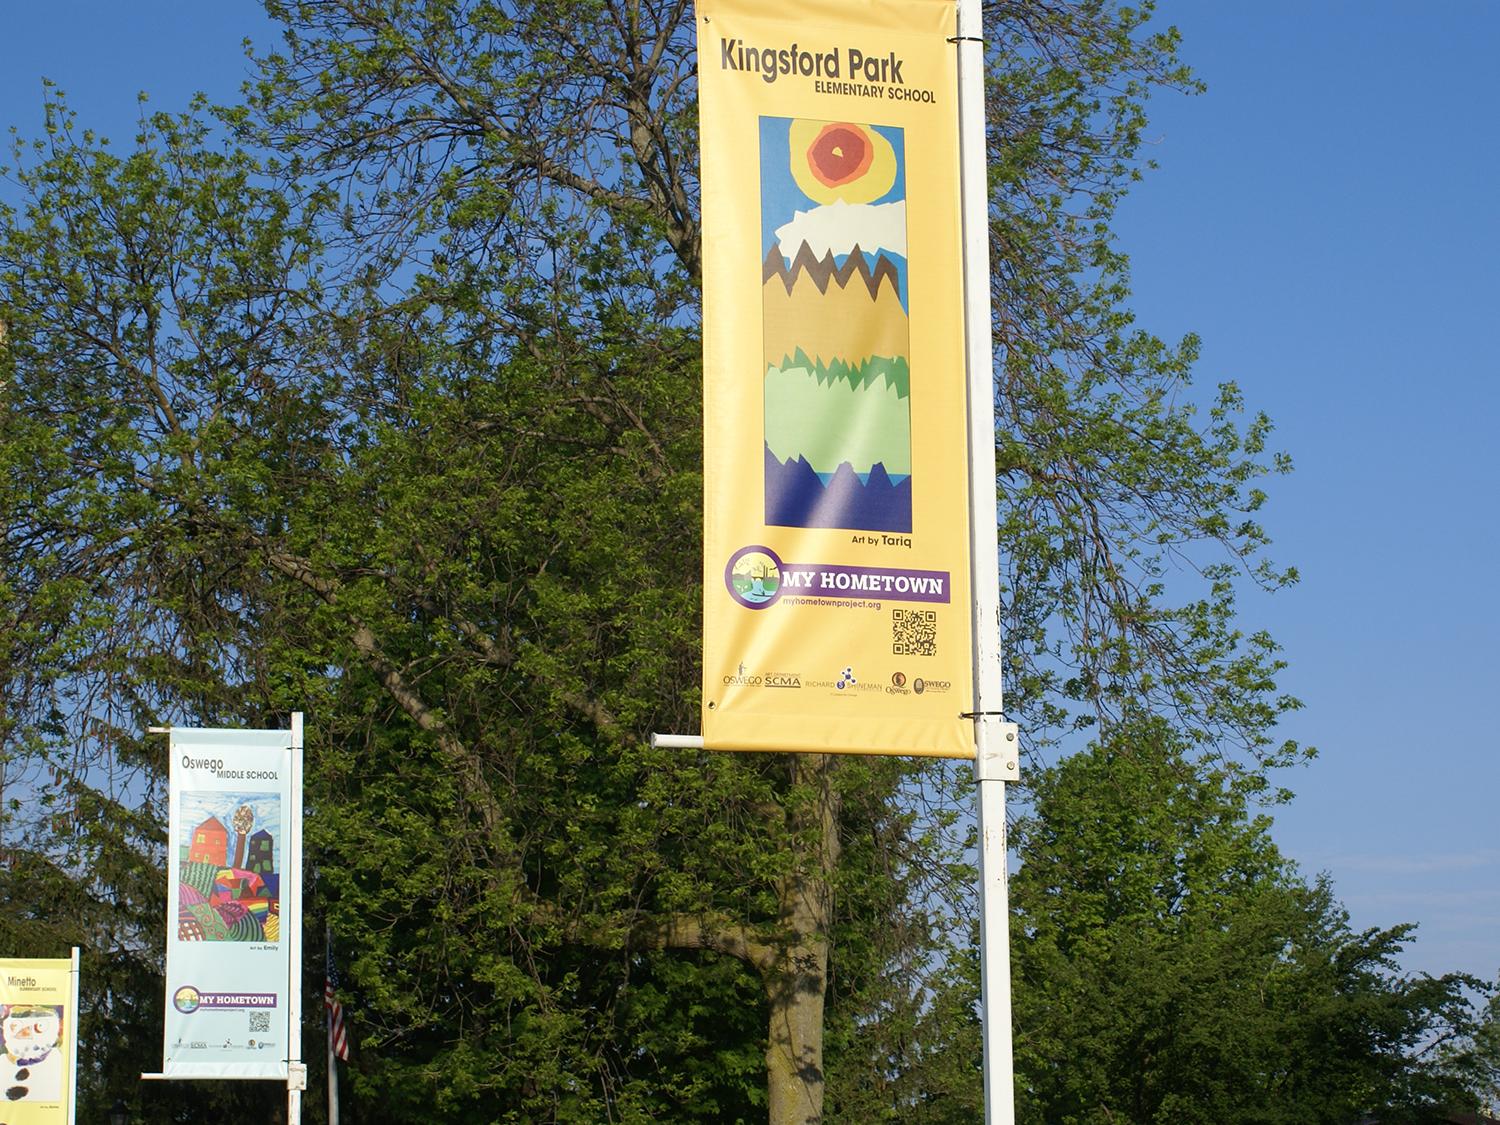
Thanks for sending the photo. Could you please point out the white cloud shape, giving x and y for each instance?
(838, 227)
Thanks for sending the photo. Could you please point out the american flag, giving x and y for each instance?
(338, 1035)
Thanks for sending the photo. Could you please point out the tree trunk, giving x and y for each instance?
(797, 980)
(794, 1051)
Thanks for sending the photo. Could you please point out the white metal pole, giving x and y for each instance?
(995, 741)
(333, 1059)
(74, 1013)
(994, 947)
(296, 1080)
(333, 1083)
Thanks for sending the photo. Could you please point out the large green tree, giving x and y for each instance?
(466, 128)
(230, 497)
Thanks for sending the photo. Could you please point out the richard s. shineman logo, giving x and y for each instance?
(753, 576)
(846, 680)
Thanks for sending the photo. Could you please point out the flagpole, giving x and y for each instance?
(997, 760)
(333, 1060)
(333, 1084)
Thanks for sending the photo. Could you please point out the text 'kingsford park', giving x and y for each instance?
(773, 62)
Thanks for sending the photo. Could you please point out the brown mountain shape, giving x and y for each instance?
(841, 323)
(822, 270)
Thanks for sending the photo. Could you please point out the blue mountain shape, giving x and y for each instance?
(797, 497)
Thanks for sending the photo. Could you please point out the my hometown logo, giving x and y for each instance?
(757, 578)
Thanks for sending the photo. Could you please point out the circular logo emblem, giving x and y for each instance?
(185, 999)
(898, 679)
(919, 685)
(753, 576)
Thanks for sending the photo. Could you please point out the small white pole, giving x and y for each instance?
(333, 1084)
(994, 943)
(333, 1059)
(296, 1080)
(74, 1014)
(995, 741)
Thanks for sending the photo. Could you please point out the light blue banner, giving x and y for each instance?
(232, 904)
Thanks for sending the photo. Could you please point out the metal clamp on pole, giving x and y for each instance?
(999, 750)
(296, 1076)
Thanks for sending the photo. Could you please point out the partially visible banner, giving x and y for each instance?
(836, 527)
(233, 900)
(39, 1026)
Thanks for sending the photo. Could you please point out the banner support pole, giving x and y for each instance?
(333, 1080)
(296, 1078)
(76, 1015)
(996, 761)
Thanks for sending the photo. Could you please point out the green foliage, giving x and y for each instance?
(148, 301)
(1171, 965)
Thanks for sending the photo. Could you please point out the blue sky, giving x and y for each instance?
(1325, 217)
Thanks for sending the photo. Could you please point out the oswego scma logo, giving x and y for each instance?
(743, 677)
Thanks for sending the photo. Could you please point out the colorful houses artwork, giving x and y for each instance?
(220, 900)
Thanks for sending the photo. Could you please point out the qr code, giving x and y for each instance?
(260, 1021)
(914, 632)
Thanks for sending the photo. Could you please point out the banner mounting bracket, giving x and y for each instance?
(999, 750)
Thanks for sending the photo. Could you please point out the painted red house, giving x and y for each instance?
(210, 843)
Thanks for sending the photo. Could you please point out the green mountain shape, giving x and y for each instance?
(831, 420)
(894, 371)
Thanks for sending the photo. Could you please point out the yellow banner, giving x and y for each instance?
(37, 1024)
(836, 528)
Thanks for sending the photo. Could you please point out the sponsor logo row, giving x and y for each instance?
(846, 681)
